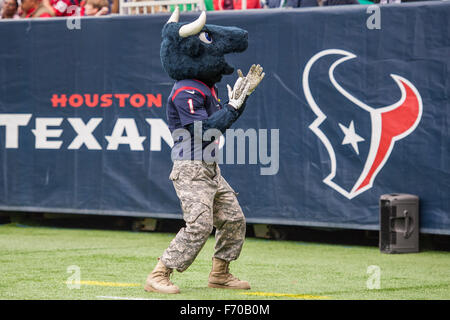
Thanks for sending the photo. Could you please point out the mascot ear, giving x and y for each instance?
(191, 46)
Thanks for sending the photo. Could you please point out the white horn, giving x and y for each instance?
(175, 15)
(193, 27)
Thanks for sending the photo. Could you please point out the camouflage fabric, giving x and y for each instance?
(207, 200)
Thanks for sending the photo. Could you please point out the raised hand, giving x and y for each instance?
(239, 92)
(254, 76)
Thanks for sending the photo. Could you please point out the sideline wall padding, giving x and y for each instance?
(370, 117)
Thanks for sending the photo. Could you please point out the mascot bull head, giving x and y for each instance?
(197, 50)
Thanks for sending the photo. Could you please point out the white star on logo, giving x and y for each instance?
(351, 136)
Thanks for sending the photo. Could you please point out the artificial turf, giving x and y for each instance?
(35, 260)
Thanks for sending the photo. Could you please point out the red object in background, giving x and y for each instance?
(251, 4)
(60, 7)
(237, 4)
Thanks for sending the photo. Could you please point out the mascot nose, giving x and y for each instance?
(237, 40)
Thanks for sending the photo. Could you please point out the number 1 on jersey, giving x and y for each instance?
(191, 106)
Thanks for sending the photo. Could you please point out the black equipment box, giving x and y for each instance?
(399, 223)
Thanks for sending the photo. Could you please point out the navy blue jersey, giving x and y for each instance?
(190, 101)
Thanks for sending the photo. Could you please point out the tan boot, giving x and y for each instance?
(220, 277)
(159, 280)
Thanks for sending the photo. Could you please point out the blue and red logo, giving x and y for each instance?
(368, 135)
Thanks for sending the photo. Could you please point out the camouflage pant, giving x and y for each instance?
(207, 200)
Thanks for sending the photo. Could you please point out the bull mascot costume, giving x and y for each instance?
(193, 55)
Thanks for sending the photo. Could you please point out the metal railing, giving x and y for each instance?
(155, 6)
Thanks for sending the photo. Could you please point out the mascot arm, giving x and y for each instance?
(191, 108)
(220, 120)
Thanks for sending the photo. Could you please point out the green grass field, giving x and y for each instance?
(34, 265)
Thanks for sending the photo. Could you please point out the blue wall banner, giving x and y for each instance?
(349, 111)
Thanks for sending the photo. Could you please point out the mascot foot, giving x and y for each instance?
(159, 280)
(220, 277)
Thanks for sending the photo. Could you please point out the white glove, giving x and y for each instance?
(239, 93)
(254, 76)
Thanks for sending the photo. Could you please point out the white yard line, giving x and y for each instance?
(124, 298)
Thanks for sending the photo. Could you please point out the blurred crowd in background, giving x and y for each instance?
(17, 9)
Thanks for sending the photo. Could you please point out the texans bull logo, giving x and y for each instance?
(355, 135)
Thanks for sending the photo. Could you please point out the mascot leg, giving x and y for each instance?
(195, 185)
(229, 221)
